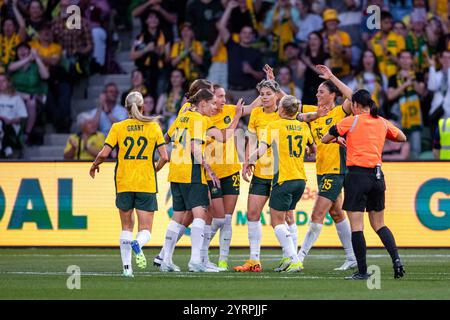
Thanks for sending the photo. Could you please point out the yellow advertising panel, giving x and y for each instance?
(58, 204)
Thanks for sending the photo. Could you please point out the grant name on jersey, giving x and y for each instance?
(135, 127)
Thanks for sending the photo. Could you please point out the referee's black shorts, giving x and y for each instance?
(362, 190)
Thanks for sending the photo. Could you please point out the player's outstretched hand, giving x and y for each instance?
(93, 169)
(322, 111)
(215, 180)
(341, 141)
(269, 72)
(247, 171)
(240, 108)
(325, 71)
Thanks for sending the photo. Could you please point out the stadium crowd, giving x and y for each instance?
(404, 61)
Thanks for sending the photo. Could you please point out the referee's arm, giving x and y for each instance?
(331, 136)
(338, 130)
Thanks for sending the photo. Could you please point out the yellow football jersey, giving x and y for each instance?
(184, 107)
(190, 125)
(257, 125)
(222, 157)
(137, 142)
(288, 139)
(394, 44)
(330, 158)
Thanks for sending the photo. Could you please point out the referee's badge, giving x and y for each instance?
(328, 121)
(227, 119)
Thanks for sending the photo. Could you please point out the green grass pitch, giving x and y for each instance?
(41, 274)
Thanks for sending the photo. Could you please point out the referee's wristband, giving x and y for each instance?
(333, 131)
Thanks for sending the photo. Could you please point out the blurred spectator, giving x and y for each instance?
(99, 38)
(416, 41)
(337, 44)
(218, 70)
(12, 114)
(308, 21)
(108, 111)
(280, 26)
(245, 14)
(435, 35)
(166, 11)
(400, 29)
(394, 150)
(49, 51)
(170, 102)
(148, 51)
(298, 68)
(149, 106)
(404, 92)
(441, 140)
(368, 76)
(137, 84)
(203, 15)
(419, 8)
(400, 8)
(85, 144)
(244, 62)
(314, 55)
(10, 37)
(28, 75)
(287, 85)
(59, 91)
(76, 43)
(441, 8)
(439, 84)
(103, 7)
(386, 45)
(318, 6)
(187, 53)
(350, 22)
(35, 19)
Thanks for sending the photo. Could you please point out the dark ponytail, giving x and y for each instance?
(373, 109)
(196, 86)
(201, 95)
(364, 98)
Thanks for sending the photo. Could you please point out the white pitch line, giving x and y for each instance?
(176, 275)
(210, 275)
(268, 256)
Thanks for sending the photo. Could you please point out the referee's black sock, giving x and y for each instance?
(388, 240)
(359, 248)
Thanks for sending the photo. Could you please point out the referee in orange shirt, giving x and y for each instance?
(364, 185)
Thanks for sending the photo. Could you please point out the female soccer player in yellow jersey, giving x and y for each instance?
(330, 170)
(137, 138)
(187, 175)
(262, 177)
(195, 87)
(222, 118)
(288, 140)
(223, 159)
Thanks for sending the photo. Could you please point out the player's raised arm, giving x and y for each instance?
(322, 111)
(225, 134)
(347, 92)
(328, 75)
(268, 70)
